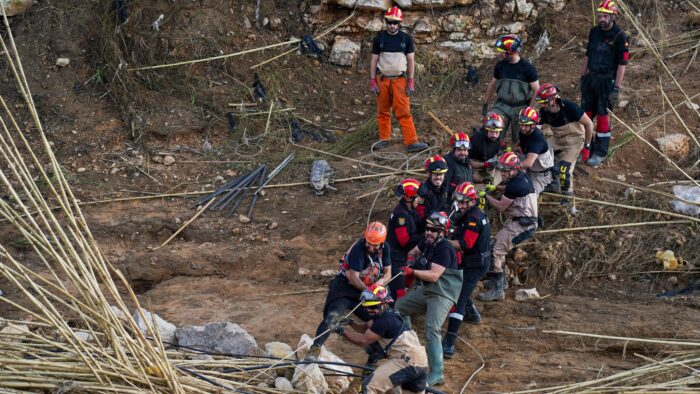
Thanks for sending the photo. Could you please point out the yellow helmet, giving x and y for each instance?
(380, 295)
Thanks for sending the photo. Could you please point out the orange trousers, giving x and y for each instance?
(392, 96)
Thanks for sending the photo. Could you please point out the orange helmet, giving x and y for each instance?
(408, 189)
(394, 14)
(508, 161)
(380, 295)
(439, 220)
(465, 191)
(509, 43)
(436, 165)
(545, 92)
(608, 7)
(375, 233)
(528, 115)
(460, 140)
(493, 122)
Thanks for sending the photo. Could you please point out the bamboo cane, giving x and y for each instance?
(650, 190)
(567, 230)
(439, 122)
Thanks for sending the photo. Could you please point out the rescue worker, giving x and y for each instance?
(459, 168)
(404, 362)
(603, 70)
(518, 203)
(471, 242)
(365, 265)
(539, 158)
(514, 83)
(434, 263)
(391, 73)
(403, 232)
(485, 143)
(433, 192)
(571, 130)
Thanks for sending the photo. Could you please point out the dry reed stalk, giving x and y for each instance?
(603, 227)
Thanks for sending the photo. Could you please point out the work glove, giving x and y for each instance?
(407, 271)
(481, 194)
(484, 110)
(509, 149)
(614, 97)
(337, 329)
(490, 188)
(490, 163)
(585, 153)
(366, 295)
(373, 87)
(373, 287)
(410, 87)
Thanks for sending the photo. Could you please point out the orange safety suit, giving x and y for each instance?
(392, 96)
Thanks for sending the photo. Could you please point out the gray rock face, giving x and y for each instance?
(221, 337)
(344, 52)
(377, 5)
(165, 328)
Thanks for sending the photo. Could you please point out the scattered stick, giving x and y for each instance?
(196, 215)
(439, 122)
(396, 170)
(650, 190)
(567, 230)
(626, 339)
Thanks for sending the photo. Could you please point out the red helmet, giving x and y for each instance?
(436, 165)
(375, 233)
(408, 189)
(439, 220)
(380, 295)
(528, 115)
(394, 14)
(508, 161)
(465, 192)
(545, 92)
(460, 140)
(608, 7)
(509, 43)
(493, 122)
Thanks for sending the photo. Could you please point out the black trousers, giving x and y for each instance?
(342, 297)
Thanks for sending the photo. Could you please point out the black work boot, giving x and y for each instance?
(472, 315)
(496, 293)
(416, 147)
(448, 343)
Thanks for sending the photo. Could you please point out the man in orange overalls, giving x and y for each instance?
(391, 79)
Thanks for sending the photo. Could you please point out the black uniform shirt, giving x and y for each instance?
(569, 112)
(358, 259)
(441, 253)
(521, 71)
(458, 172)
(481, 148)
(606, 50)
(403, 232)
(534, 142)
(518, 186)
(388, 325)
(435, 200)
(473, 232)
(392, 43)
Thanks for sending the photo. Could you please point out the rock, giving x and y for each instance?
(637, 174)
(514, 28)
(62, 62)
(308, 378)
(692, 106)
(14, 329)
(83, 335)
(283, 384)
(523, 8)
(457, 36)
(165, 328)
(346, 3)
(673, 281)
(203, 357)
(114, 170)
(157, 159)
(519, 255)
(265, 21)
(246, 23)
(243, 218)
(459, 46)
(668, 259)
(689, 193)
(454, 23)
(168, 160)
(374, 5)
(337, 383)
(630, 192)
(230, 173)
(508, 7)
(222, 337)
(275, 23)
(374, 24)
(424, 26)
(16, 7)
(674, 146)
(344, 52)
(623, 103)
(272, 226)
(404, 4)
(304, 271)
(278, 349)
(118, 313)
(440, 55)
(329, 272)
(81, 169)
(526, 294)
(430, 3)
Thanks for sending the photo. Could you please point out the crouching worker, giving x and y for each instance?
(404, 362)
(433, 262)
(367, 264)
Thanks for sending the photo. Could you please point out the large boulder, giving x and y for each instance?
(308, 378)
(165, 328)
(675, 146)
(221, 337)
(344, 52)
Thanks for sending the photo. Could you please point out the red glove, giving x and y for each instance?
(373, 86)
(373, 287)
(586, 152)
(410, 87)
(407, 271)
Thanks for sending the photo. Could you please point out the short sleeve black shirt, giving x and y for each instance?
(441, 253)
(388, 325)
(534, 143)
(521, 71)
(481, 148)
(518, 186)
(392, 43)
(569, 112)
(358, 259)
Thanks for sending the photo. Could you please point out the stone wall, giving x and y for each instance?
(453, 30)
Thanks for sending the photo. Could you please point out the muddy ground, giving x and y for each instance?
(222, 269)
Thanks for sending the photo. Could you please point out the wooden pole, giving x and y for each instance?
(439, 122)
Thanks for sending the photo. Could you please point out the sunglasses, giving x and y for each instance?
(393, 22)
(524, 120)
(432, 230)
(462, 144)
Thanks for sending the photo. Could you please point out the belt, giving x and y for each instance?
(601, 75)
(512, 104)
(402, 75)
